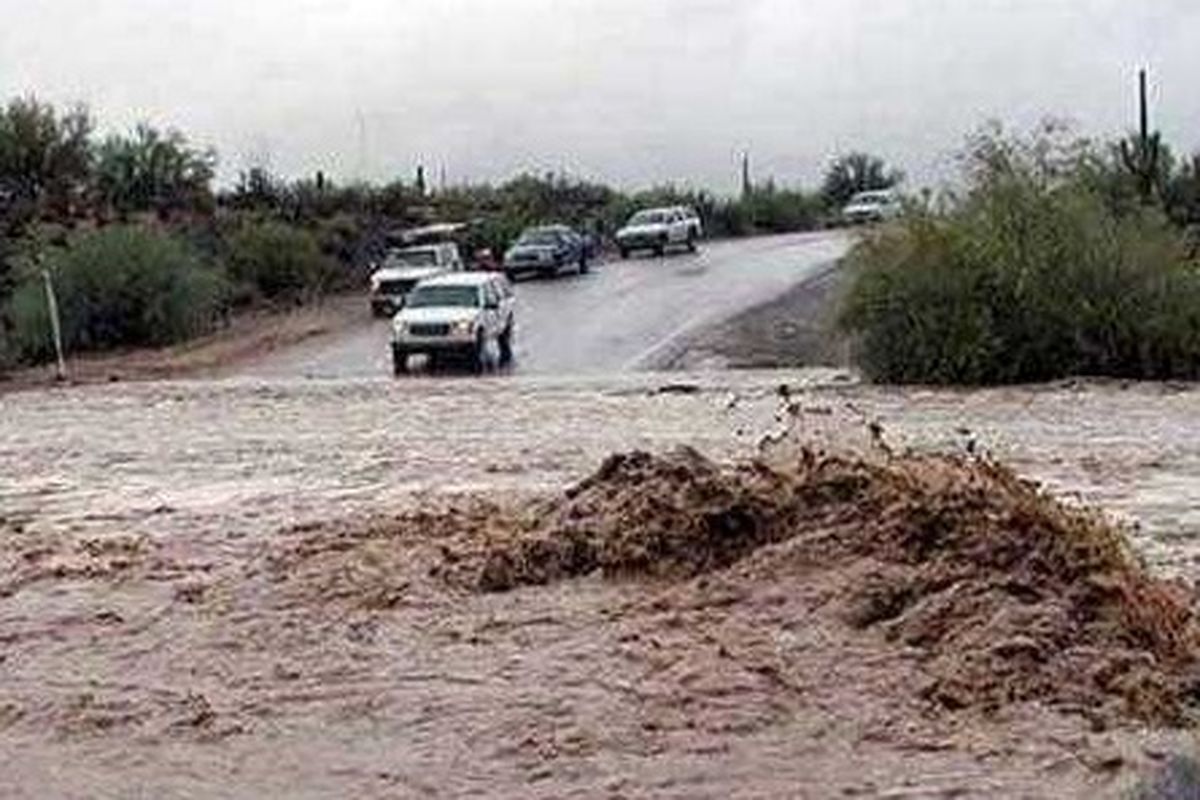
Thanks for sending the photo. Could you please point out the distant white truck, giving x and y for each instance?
(404, 268)
(657, 229)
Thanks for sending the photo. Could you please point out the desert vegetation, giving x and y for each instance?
(1056, 257)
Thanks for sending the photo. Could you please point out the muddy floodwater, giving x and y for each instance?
(189, 606)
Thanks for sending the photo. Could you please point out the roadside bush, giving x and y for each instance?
(773, 210)
(1030, 276)
(275, 261)
(119, 286)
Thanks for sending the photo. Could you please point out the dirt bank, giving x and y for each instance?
(249, 336)
(1008, 595)
(795, 330)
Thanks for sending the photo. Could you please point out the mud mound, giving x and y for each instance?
(1009, 595)
(673, 515)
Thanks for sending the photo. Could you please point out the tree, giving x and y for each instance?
(117, 286)
(153, 171)
(275, 261)
(1182, 193)
(45, 162)
(257, 189)
(854, 173)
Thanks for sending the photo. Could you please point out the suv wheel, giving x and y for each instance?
(399, 360)
(691, 241)
(624, 252)
(478, 354)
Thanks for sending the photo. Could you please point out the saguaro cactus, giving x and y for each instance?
(1143, 156)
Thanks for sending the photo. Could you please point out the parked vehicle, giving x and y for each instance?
(657, 229)
(546, 250)
(456, 315)
(403, 268)
(874, 206)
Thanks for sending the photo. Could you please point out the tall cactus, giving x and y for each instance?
(1143, 156)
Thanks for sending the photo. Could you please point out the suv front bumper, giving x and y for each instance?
(451, 342)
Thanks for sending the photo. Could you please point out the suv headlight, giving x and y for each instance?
(464, 327)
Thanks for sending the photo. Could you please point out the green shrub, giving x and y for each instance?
(119, 286)
(276, 261)
(1031, 276)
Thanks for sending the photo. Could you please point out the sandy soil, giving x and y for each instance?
(236, 589)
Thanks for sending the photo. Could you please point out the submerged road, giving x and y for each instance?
(621, 316)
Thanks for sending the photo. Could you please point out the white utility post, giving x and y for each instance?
(55, 327)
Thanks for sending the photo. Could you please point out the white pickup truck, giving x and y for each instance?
(657, 229)
(461, 315)
(403, 269)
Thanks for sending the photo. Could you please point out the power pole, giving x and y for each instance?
(55, 326)
(747, 186)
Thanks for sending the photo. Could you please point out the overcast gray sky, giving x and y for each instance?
(632, 91)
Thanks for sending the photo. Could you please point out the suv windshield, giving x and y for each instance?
(444, 296)
(412, 258)
(649, 218)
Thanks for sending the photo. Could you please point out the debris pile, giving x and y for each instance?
(1009, 595)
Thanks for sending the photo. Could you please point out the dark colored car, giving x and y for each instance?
(546, 250)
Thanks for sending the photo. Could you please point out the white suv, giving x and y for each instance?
(659, 228)
(403, 269)
(874, 206)
(460, 315)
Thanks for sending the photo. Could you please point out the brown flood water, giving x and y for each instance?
(191, 603)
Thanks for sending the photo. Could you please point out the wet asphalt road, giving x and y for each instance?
(622, 316)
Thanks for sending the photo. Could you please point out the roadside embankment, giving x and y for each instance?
(247, 337)
(795, 330)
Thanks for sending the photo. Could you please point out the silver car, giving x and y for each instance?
(874, 206)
